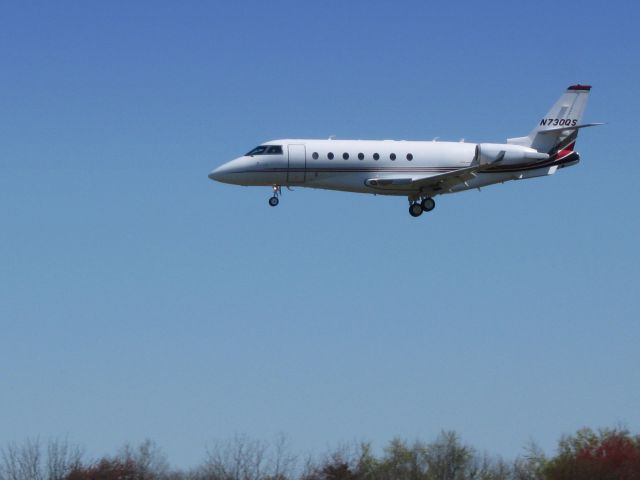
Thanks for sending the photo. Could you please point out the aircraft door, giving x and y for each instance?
(297, 164)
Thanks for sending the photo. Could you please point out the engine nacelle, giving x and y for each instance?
(499, 154)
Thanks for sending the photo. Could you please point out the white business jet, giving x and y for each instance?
(419, 170)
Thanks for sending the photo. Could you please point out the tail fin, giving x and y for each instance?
(558, 130)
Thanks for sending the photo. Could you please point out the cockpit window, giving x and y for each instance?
(274, 150)
(265, 150)
(257, 151)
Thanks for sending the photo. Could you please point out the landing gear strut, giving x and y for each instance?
(277, 191)
(417, 205)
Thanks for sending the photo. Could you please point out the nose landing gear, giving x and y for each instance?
(277, 191)
(417, 207)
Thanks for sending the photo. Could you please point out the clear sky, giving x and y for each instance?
(139, 299)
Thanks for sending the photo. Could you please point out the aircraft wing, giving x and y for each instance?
(431, 185)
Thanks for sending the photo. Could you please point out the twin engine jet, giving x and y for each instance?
(419, 170)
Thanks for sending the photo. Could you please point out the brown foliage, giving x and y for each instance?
(108, 469)
(607, 455)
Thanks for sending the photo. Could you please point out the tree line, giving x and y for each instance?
(607, 454)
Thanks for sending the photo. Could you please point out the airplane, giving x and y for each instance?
(419, 170)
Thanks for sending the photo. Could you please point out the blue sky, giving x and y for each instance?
(139, 299)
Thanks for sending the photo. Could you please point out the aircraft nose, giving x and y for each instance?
(219, 174)
(232, 172)
(213, 174)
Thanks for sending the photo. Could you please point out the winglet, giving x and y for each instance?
(580, 87)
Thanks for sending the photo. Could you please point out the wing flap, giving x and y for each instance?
(383, 182)
(429, 184)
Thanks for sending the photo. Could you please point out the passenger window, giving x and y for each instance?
(330, 155)
(409, 156)
(361, 156)
(345, 156)
(274, 150)
(314, 155)
(392, 156)
(376, 156)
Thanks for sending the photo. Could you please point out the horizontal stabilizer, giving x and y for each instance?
(562, 129)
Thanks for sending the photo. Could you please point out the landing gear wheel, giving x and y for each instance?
(428, 204)
(415, 209)
(277, 191)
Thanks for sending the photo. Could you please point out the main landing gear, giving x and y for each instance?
(277, 191)
(417, 207)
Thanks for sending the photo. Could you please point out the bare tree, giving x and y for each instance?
(29, 461)
(22, 462)
(150, 461)
(282, 463)
(61, 459)
(242, 458)
(238, 459)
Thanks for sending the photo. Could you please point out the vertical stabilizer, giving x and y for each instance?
(549, 136)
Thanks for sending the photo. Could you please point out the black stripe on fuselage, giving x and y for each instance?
(569, 158)
(357, 170)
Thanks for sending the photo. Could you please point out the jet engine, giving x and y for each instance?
(499, 154)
